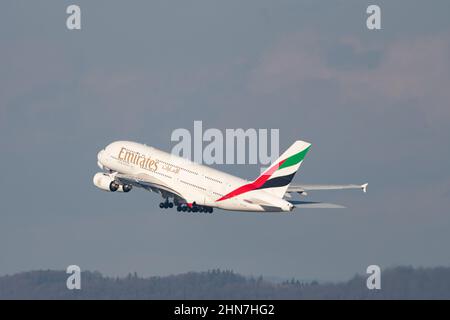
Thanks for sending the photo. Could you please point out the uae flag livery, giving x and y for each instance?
(277, 178)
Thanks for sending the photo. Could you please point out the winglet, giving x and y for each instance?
(364, 187)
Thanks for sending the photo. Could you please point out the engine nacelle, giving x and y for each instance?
(106, 183)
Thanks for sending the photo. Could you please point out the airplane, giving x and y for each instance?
(193, 187)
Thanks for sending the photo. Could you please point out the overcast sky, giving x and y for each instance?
(374, 104)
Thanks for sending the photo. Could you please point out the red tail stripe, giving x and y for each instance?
(253, 185)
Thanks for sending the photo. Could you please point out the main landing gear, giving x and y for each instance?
(166, 204)
(194, 208)
(181, 207)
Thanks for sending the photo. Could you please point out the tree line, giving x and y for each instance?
(397, 283)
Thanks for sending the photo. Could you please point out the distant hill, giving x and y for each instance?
(397, 283)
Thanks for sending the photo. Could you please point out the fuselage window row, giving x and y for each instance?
(193, 185)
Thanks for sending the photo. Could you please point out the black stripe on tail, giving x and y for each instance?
(278, 181)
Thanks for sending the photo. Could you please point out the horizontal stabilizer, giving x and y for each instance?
(303, 188)
(315, 205)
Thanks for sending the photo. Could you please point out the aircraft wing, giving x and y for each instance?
(154, 184)
(147, 182)
(315, 205)
(302, 189)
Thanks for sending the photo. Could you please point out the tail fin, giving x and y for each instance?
(277, 178)
(279, 175)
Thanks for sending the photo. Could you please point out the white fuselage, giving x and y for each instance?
(193, 182)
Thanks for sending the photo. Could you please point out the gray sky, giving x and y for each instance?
(375, 106)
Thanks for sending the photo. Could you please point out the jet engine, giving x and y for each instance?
(105, 182)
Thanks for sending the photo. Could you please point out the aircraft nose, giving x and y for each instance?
(100, 157)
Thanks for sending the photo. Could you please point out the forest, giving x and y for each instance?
(397, 283)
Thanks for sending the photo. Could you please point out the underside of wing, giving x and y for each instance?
(152, 183)
(149, 183)
(315, 205)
